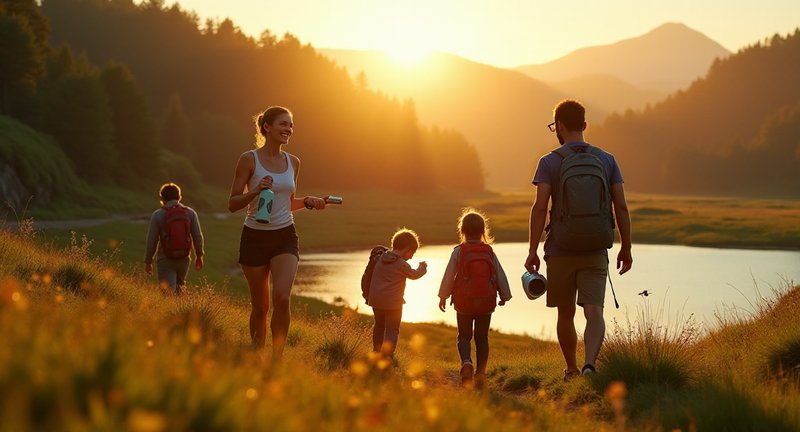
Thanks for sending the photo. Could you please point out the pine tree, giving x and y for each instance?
(174, 134)
(134, 128)
(20, 61)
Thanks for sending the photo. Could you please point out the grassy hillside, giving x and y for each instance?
(33, 166)
(88, 346)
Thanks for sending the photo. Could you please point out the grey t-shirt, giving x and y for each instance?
(157, 225)
(548, 172)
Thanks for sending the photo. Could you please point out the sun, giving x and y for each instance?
(408, 56)
(409, 44)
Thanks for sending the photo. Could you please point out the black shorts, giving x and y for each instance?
(258, 247)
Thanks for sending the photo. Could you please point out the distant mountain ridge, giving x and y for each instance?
(735, 131)
(609, 92)
(502, 112)
(665, 59)
(455, 92)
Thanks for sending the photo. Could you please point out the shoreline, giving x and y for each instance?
(733, 246)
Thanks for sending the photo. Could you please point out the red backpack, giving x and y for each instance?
(176, 239)
(475, 290)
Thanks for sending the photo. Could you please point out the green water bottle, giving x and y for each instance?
(264, 212)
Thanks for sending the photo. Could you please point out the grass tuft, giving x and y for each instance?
(341, 340)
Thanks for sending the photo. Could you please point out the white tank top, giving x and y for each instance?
(283, 186)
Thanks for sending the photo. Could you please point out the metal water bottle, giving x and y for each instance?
(264, 212)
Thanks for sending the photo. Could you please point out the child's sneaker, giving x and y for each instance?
(571, 373)
(588, 370)
(466, 373)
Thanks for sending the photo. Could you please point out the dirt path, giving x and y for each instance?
(79, 223)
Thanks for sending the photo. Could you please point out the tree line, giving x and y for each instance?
(136, 94)
(735, 131)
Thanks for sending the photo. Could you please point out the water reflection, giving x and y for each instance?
(681, 281)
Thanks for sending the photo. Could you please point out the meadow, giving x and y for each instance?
(91, 344)
(368, 218)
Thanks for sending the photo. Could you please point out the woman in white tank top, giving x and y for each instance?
(271, 247)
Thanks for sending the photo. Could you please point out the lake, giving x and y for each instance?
(683, 282)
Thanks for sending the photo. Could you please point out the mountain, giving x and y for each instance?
(608, 92)
(735, 131)
(665, 59)
(502, 112)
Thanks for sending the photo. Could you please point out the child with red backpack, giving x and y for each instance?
(474, 278)
(174, 229)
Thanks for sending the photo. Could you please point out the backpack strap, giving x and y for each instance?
(563, 151)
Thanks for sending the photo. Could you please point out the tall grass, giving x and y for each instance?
(89, 346)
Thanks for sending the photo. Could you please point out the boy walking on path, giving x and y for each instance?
(174, 230)
(584, 183)
(388, 287)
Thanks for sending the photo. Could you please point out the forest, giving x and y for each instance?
(115, 93)
(734, 132)
(135, 95)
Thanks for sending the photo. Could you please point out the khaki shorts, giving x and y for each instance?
(582, 274)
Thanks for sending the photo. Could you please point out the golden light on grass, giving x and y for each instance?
(102, 303)
(383, 363)
(59, 298)
(8, 289)
(47, 279)
(417, 342)
(616, 393)
(86, 286)
(251, 394)
(36, 277)
(415, 368)
(19, 301)
(354, 401)
(359, 368)
(113, 243)
(432, 411)
(418, 385)
(276, 390)
(146, 421)
(194, 334)
(107, 274)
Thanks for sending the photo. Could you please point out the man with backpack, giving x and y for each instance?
(174, 229)
(586, 187)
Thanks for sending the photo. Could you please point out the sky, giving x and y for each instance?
(504, 33)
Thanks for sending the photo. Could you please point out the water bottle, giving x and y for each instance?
(264, 212)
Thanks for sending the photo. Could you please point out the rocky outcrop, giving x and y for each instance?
(15, 194)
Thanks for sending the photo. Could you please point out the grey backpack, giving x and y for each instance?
(581, 218)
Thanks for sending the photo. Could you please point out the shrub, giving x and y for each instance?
(784, 360)
(341, 339)
(647, 352)
(73, 278)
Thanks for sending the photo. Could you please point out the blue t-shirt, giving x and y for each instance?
(548, 171)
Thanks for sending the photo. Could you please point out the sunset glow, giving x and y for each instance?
(504, 34)
(407, 55)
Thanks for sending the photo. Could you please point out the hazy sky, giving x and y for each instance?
(499, 32)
